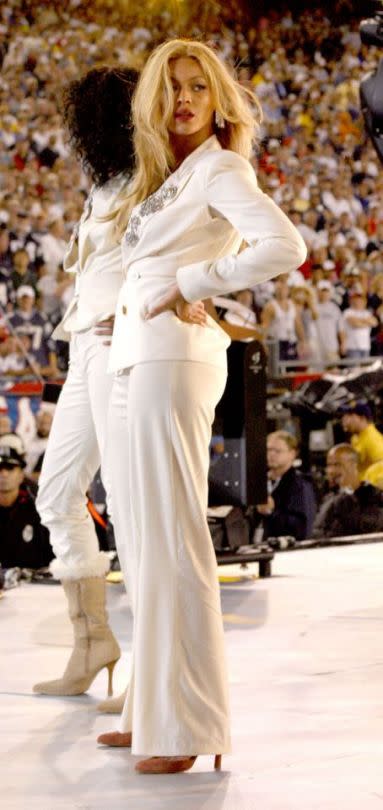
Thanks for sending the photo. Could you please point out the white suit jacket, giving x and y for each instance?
(190, 230)
(94, 256)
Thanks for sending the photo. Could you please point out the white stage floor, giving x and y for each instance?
(305, 652)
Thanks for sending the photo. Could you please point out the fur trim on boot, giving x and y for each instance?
(98, 568)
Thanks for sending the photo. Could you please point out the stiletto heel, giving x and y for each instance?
(217, 762)
(110, 667)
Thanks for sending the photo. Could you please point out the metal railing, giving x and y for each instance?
(281, 368)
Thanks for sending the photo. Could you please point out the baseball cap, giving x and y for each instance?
(10, 456)
(324, 285)
(359, 408)
(25, 289)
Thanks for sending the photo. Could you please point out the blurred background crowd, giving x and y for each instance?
(313, 157)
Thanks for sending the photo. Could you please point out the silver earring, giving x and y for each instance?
(219, 120)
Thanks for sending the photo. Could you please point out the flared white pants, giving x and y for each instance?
(158, 447)
(76, 445)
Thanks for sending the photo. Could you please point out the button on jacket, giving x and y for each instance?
(190, 231)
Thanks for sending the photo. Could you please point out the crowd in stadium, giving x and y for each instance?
(314, 159)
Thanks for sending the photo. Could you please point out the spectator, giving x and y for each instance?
(366, 439)
(376, 304)
(281, 320)
(291, 506)
(53, 245)
(48, 291)
(21, 232)
(357, 324)
(6, 290)
(49, 155)
(6, 256)
(37, 447)
(350, 278)
(24, 542)
(306, 308)
(12, 355)
(33, 324)
(352, 507)
(22, 274)
(329, 325)
(374, 474)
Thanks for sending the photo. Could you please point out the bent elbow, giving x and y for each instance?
(302, 253)
(288, 254)
(298, 251)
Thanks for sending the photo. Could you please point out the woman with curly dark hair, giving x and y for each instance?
(96, 112)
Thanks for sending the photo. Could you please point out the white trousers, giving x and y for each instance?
(76, 445)
(158, 440)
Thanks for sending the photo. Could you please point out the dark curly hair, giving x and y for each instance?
(96, 113)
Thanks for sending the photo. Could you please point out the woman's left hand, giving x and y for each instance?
(174, 301)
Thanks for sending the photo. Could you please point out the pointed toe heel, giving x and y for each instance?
(165, 764)
(114, 739)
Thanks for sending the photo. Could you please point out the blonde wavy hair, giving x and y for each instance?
(153, 107)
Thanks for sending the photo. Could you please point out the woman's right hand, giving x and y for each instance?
(172, 300)
(191, 313)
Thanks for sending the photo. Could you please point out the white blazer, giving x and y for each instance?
(94, 256)
(190, 230)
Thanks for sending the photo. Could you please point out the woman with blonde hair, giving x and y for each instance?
(98, 102)
(194, 199)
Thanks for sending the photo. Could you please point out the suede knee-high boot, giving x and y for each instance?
(95, 646)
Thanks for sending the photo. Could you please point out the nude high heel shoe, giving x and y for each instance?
(171, 764)
(95, 646)
(116, 739)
